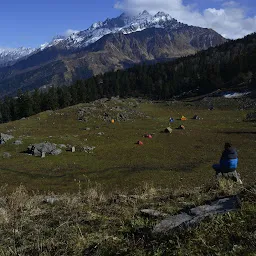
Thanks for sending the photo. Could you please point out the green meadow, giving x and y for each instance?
(182, 159)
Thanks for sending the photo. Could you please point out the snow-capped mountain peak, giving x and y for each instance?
(125, 24)
(10, 55)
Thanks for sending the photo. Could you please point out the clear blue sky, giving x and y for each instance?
(31, 23)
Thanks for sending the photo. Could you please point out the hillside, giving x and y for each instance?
(114, 44)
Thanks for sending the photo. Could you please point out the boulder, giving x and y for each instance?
(5, 137)
(46, 147)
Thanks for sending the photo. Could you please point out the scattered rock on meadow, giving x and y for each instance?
(50, 200)
(88, 149)
(17, 142)
(6, 155)
(5, 137)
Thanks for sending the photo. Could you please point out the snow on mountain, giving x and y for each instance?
(10, 55)
(123, 24)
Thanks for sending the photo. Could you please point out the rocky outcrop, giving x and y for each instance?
(5, 137)
(46, 147)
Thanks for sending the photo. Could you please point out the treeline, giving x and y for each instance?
(229, 65)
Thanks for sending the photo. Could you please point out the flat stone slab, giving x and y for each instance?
(197, 214)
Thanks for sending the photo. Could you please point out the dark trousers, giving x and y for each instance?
(226, 173)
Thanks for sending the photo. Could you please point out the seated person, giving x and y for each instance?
(228, 164)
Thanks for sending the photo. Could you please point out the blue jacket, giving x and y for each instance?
(229, 164)
(229, 159)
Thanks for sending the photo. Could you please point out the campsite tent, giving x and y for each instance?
(139, 142)
(183, 118)
(182, 127)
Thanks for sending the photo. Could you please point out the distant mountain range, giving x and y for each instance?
(110, 45)
(11, 55)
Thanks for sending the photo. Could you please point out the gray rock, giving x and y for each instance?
(17, 142)
(56, 152)
(46, 147)
(171, 223)
(153, 213)
(197, 214)
(50, 200)
(88, 149)
(5, 137)
(6, 155)
(62, 146)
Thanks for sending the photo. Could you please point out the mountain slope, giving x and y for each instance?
(114, 44)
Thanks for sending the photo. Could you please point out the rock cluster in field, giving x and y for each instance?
(44, 147)
(110, 109)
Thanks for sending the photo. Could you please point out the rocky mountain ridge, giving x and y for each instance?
(114, 44)
(9, 56)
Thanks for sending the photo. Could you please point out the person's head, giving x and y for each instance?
(227, 145)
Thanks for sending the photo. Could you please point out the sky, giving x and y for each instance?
(30, 23)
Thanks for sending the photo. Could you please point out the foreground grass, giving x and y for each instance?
(92, 222)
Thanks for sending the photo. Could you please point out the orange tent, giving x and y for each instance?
(183, 118)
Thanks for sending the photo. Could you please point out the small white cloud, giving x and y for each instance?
(230, 20)
(69, 32)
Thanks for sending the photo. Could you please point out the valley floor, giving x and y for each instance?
(180, 159)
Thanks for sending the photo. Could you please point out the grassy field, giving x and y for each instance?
(89, 203)
(180, 159)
